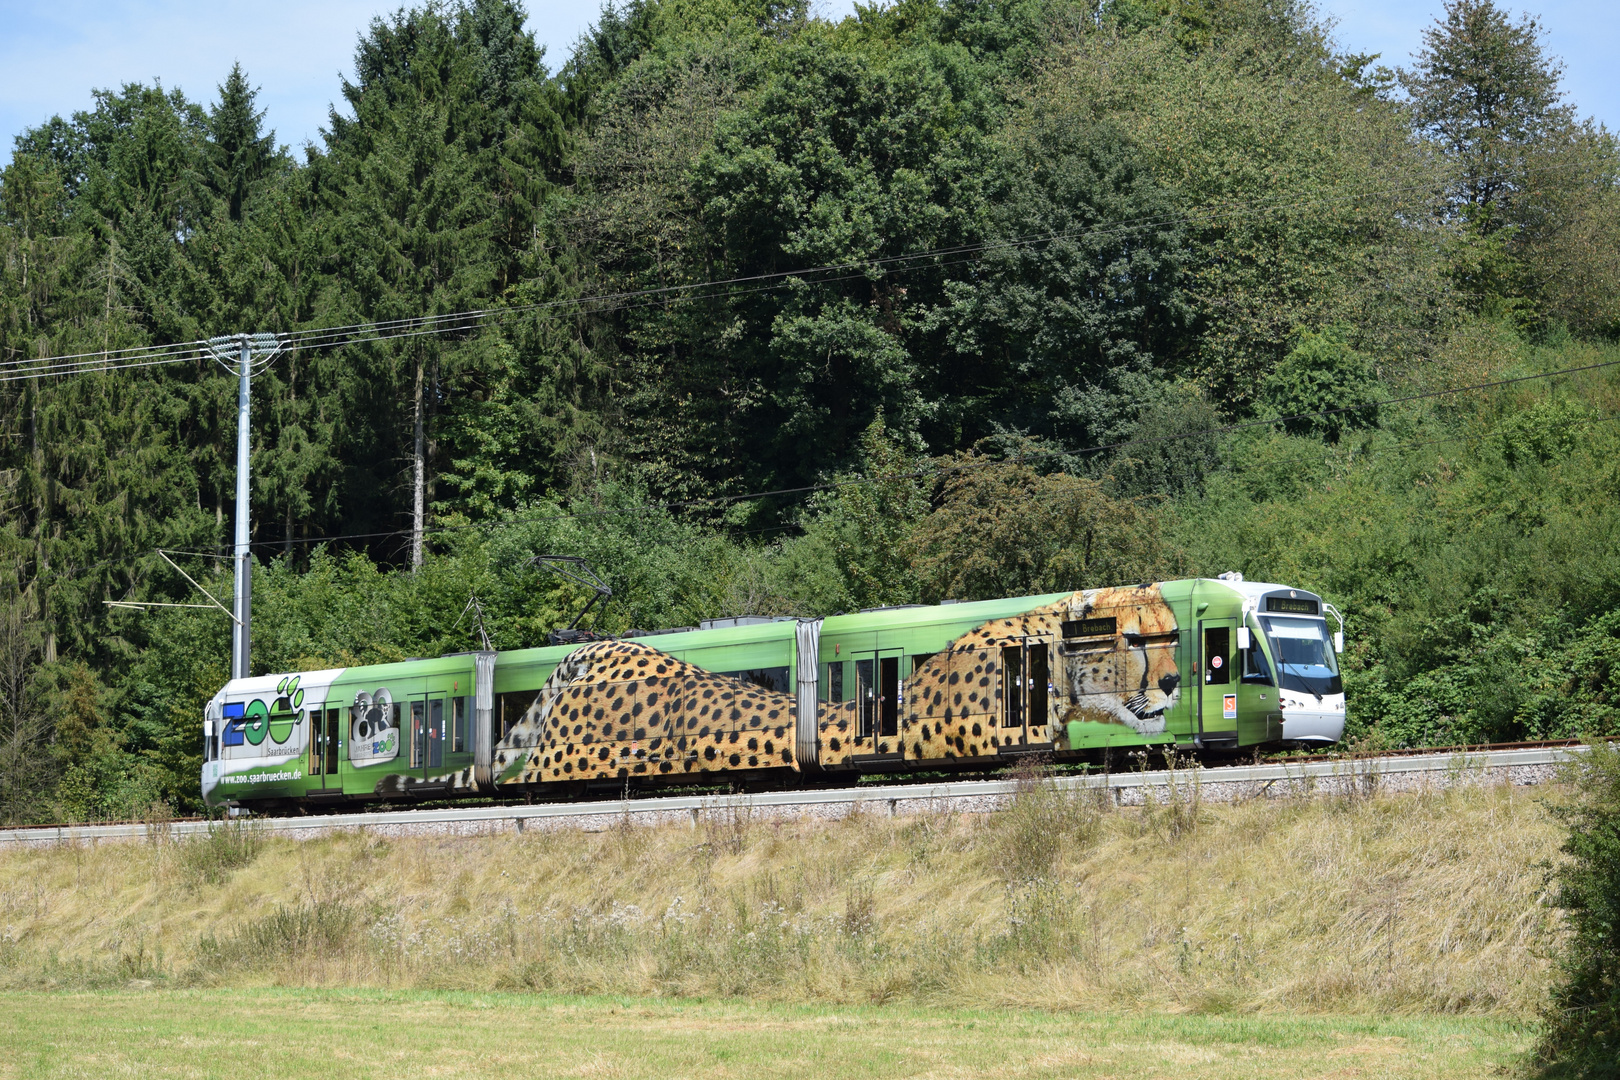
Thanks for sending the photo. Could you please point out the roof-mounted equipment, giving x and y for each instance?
(577, 571)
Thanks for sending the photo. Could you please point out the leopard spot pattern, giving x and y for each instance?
(624, 709)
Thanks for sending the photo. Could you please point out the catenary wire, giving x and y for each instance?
(930, 471)
(1117, 227)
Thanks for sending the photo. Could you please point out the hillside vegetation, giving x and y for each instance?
(945, 299)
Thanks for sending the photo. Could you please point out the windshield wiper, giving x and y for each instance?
(1306, 679)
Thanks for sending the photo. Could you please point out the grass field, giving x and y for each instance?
(338, 1034)
(1419, 904)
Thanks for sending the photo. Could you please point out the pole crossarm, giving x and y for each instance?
(261, 349)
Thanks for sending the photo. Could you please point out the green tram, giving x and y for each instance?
(1220, 664)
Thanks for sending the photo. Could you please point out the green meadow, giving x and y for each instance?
(338, 1034)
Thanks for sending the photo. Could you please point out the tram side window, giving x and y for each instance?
(1255, 668)
(1217, 655)
(774, 678)
(834, 683)
(233, 721)
(510, 708)
(461, 712)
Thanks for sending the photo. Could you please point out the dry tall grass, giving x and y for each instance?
(1415, 903)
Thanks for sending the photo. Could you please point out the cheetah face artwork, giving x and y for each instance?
(1126, 673)
(622, 709)
(953, 703)
(1122, 672)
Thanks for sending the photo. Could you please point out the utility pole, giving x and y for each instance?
(250, 349)
(241, 636)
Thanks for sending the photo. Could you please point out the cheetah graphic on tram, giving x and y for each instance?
(623, 709)
(1074, 675)
(953, 703)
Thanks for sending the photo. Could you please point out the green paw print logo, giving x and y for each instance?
(280, 720)
(290, 692)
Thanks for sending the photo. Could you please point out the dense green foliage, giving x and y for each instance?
(944, 299)
(1581, 1032)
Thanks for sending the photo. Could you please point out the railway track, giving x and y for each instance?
(1336, 775)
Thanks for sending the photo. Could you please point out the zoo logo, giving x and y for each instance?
(254, 720)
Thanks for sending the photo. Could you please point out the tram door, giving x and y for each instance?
(1217, 696)
(1026, 685)
(427, 732)
(877, 696)
(324, 741)
(435, 732)
(331, 740)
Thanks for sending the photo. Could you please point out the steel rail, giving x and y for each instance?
(959, 795)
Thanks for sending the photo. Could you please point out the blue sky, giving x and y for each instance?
(53, 54)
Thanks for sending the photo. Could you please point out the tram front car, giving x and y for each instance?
(1304, 652)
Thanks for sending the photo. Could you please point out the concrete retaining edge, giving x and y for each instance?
(1231, 783)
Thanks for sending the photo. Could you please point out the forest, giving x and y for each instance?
(947, 299)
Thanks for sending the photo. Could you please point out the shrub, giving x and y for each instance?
(1581, 1037)
(227, 846)
(1041, 824)
(1322, 374)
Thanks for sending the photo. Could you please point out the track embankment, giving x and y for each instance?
(1217, 893)
(1219, 784)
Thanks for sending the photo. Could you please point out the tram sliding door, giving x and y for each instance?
(1026, 698)
(427, 733)
(1217, 692)
(324, 741)
(435, 732)
(877, 694)
(331, 741)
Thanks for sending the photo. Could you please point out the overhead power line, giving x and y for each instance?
(101, 356)
(452, 322)
(692, 291)
(937, 471)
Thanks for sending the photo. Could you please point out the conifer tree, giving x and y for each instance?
(240, 155)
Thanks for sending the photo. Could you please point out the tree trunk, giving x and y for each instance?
(42, 511)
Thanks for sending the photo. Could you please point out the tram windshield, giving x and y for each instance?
(1304, 653)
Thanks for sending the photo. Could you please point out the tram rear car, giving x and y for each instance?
(1201, 664)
